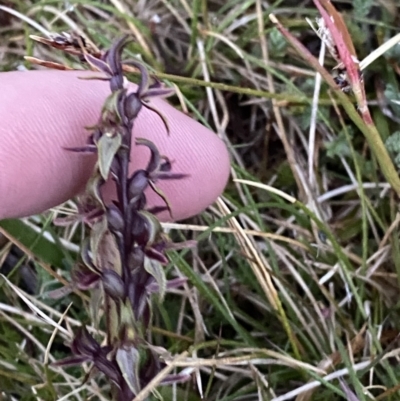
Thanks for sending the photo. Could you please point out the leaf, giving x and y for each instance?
(108, 256)
(128, 360)
(338, 147)
(86, 255)
(85, 345)
(96, 236)
(153, 225)
(24, 235)
(127, 326)
(84, 277)
(393, 143)
(108, 368)
(363, 7)
(108, 146)
(92, 198)
(156, 269)
(392, 94)
(110, 110)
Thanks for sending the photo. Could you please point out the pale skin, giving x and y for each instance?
(41, 112)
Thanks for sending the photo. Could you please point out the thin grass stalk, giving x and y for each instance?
(369, 130)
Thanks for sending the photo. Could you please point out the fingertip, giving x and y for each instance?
(42, 112)
(194, 150)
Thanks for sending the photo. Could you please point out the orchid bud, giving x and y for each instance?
(85, 344)
(114, 218)
(138, 183)
(133, 105)
(113, 284)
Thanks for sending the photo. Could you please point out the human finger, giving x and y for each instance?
(42, 112)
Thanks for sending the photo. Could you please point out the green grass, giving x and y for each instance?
(284, 300)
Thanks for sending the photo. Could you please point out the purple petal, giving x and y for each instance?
(169, 176)
(157, 209)
(71, 361)
(170, 285)
(156, 255)
(161, 194)
(109, 369)
(90, 149)
(144, 76)
(85, 345)
(98, 64)
(84, 278)
(85, 255)
(155, 154)
(182, 377)
(161, 115)
(158, 92)
(114, 55)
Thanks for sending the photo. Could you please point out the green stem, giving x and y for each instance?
(285, 97)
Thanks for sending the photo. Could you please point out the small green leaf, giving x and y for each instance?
(156, 269)
(108, 146)
(109, 111)
(392, 94)
(96, 235)
(128, 329)
(393, 142)
(277, 42)
(107, 255)
(339, 146)
(92, 196)
(363, 7)
(153, 225)
(128, 359)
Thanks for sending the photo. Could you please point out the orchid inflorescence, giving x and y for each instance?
(124, 255)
